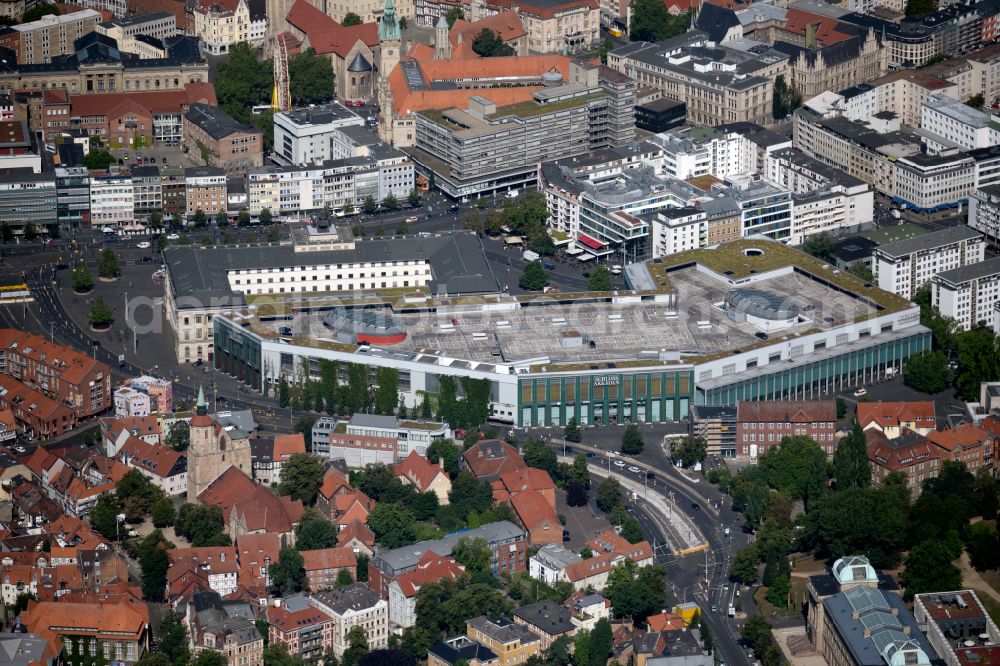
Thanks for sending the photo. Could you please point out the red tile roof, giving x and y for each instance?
(491, 458)
(897, 454)
(175, 7)
(156, 459)
(892, 414)
(257, 507)
(333, 481)
(534, 512)
(328, 558)
(356, 530)
(787, 411)
(326, 35)
(418, 471)
(827, 29)
(528, 478)
(965, 435)
(507, 24)
(430, 568)
(287, 621)
(609, 549)
(66, 363)
(287, 445)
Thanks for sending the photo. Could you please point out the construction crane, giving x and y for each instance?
(281, 98)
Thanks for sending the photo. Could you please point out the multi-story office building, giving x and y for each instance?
(968, 294)
(303, 136)
(764, 209)
(676, 230)
(158, 25)
(947, 123)
(112, 201)
(984, 212)
(204, 190)
(490, 148)
(26, 198)
(718, 84)
(73, 197)
(53, 35)
(147, 191)
(221, 140)
(906, 265)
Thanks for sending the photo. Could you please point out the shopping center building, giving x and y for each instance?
(751, 319)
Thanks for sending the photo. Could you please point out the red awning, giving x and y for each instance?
(590, 242)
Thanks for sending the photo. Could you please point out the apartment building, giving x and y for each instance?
(911, 454)
(72, 378)
(323, 566)
(732, 86)
(112, 201)
(893, 418)
(903, 267)
(303, 136)
(966, 443)
(354, 606)
(164, 467)
(968, 294)
(461, 649)
(224, 626)
(147, 191)
(221, 23)
(761, 425)
(158, 25)
(513, 643)
(676, 230)
(173, 190)
(984, 212)
(38, 42)
(221, 140)
(717, 426)
(205, 190)
(217, 566)
(73, 197)
(111, 628)
(304, 629)
(469, 150)
(431, 568)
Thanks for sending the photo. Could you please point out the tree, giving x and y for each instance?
(688, 450)
(985, 489)
(38, 11)
(179, 437)
(350, 18)
(155, 221)
(603, 49)
(795, 467)
(819, 245)
(413, 198)
(265, 216)
(534, 277)
(651, 22)
(30, 231)
(283, 392)
(785, 98)
(453, 15)
(98, 159)
(392, 524)
(315, 532)
(200, 218)
(635, 592)
(200, 524)
(609, 494)
(100, 315)
(928, 372)
(242, 80)
(601, 643)
(600, 279)
(929, 568)
(468, 494)
(357, 646)
(288, 574)
(858, 520)
(104, 517)
(107, 264)
(311, 78)
(978, 360)
(851, 468)
(82, 280)
(581, 647)
(536, 454)
(976, 101)
(162, 512)
(446, 451)
(301, 477)
(632, 531)
(579, 472)
(489, 44)
(632, 443)
(368, 206)
(154, 564)
(572, 431)
(6, 233)
(918, 8)
(743, 568)
(474, 554)
(209, 658)
(387, 393)
(173, 637)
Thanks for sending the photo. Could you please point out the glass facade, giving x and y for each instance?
(237, 354)
(652, 396)
(814, 379)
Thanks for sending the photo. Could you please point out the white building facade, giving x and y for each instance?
(969, 295)
(905, 266)
(112, 201)
(303, 136)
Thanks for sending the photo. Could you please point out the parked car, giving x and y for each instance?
(619, 463)
(143, 245)
(173, 237)
(861, 392)
(635, 470)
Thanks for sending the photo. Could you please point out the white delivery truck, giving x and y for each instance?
(530, 256)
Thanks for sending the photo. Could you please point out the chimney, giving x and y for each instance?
(441, 463)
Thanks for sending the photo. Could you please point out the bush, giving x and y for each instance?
(100, 314)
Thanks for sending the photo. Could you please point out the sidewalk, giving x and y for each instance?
(683, 535)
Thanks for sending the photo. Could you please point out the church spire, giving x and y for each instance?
(201, 407)
(388, 27)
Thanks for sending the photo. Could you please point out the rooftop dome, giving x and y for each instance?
(761, 304)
